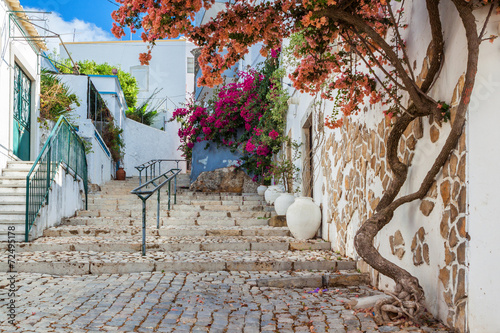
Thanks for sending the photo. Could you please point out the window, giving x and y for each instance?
(190, 65)
(141, 74)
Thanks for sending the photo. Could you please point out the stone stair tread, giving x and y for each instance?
(201, 232)
(175, 239)
(92, 262)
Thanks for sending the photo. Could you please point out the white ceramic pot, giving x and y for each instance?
(272, 193)
(303, 218)
(261, 189)
(282, 203)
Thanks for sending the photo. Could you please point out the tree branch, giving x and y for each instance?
(400, 41)
(437, 44)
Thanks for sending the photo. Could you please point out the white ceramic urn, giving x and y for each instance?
(272, 193)
(303, 218)
(261, 189)
(282, 203)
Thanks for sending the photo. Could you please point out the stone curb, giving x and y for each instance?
(171, 247)
(325, 281)
(85, 266)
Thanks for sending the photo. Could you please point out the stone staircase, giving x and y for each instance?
(202, 232)
(13, 199)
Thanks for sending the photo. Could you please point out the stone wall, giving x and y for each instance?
(356, 174)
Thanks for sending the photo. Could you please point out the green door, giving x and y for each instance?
(22, 114)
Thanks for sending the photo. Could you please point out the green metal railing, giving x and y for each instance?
(146, 190)
(63, 146)
(152, 168)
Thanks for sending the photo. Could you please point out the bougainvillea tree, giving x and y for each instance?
(245, 116)
(337, 36)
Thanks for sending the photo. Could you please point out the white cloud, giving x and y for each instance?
(70, 31)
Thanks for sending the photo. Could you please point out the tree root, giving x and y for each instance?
(402, 307)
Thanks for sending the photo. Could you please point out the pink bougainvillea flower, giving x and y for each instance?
(250, 147)
(273, 134)
(207, 130)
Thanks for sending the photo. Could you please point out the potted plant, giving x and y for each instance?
(286, 172)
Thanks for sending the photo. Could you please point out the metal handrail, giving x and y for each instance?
(62, 146)
(144, 193)
(152, 168)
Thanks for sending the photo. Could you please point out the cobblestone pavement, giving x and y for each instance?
(181, 302)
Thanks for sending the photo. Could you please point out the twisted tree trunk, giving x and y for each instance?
(408, 299)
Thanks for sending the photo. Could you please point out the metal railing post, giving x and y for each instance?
(175, 189)
(49, 161)
(26, 227)
(169, 182)
(143, 227)
(158, 212)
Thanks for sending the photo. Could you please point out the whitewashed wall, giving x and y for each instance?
(66, 196)
(100, 163)
(144, 143)
(483, 195)
(12, 52)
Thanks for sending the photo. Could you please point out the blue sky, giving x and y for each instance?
(77, 20)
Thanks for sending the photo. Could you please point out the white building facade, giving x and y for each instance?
(170, 72)
(19, 85)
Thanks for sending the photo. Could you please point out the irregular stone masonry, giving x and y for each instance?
(359, 157)
(186, 302)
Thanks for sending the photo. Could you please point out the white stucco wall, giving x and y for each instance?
(483, 195)
(482, 184)
(100, 164)
(144, 143)
(65, 198)
(12, 52)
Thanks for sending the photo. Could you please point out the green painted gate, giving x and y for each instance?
(22, 114)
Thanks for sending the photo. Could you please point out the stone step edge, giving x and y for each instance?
(172, 247)
(103, 267)
(348, 279)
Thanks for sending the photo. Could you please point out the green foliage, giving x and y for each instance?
(283, 169)
(55, 99)
(146, 112)
(112, 137)
(142, 115)
(90, 67)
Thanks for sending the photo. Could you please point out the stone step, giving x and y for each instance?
(5, 187)
(122, 243)
(5, 235)
(12, 199)
(12, 216)
(12, 207)
(166, 221)
(91, 262)
(13, 181)
(20, 165)
(168, 231)
(14, 173)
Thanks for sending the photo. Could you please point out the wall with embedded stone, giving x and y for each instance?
(448, 240)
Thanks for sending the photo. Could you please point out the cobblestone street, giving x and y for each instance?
(183, 302)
